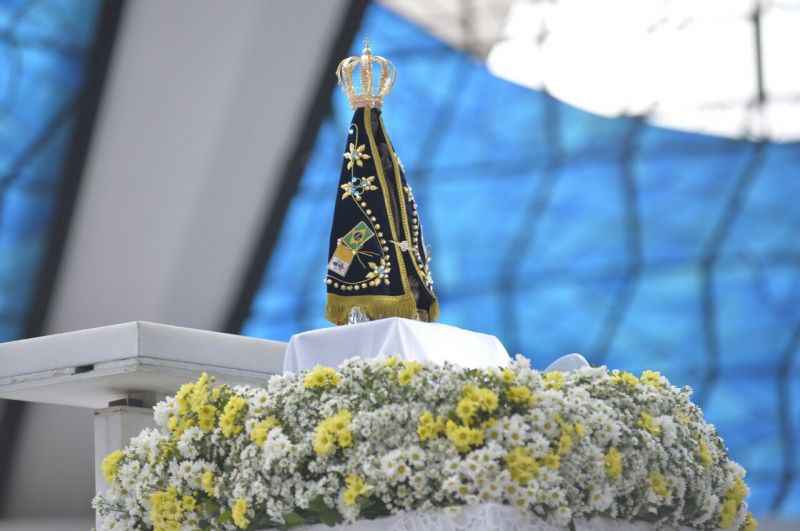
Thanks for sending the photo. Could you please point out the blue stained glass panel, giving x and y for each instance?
(44, 54)
(641, 247)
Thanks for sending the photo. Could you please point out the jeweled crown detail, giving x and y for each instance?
(371, 94)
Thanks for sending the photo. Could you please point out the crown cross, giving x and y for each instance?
(371, 93)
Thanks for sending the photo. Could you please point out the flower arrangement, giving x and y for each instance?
(377, 437)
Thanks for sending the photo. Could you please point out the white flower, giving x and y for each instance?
(415, 456)
(451, 466)
(163, 410)
(601, 498)
(276, 447)
(451, 484)
(186, 442)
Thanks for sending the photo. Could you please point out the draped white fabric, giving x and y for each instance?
(404, 338)
(484, 517)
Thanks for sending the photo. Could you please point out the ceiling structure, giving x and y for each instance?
(192, 135)
(652, 58)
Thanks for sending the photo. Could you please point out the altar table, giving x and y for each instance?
(122, 370)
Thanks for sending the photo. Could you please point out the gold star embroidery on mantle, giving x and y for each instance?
(356, 156)
(357, 186)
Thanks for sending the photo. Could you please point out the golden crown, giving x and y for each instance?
(371, 94)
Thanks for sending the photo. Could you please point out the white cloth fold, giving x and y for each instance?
(568, 363)
(404, 338)
(483, 517)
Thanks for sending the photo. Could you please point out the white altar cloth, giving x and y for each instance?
(404, 338)
(483, 517)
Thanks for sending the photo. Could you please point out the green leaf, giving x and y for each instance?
(293, 520)
(329, 517)
(326, 515)
(318, 505)
(374, 508)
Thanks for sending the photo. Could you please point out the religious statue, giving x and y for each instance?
(378, 263)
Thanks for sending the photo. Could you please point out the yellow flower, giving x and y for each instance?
(355, 488)
(228, 426)
(429, 427)
(475, 437)
(508, 376)
(341, 421)
(333, 430)
(553, 380)
(425, 432)
(522, 466)
(182, 398)
(229, 419)
(407, 373)
(239, 513)
(474, 399)
(463, 437)
(659, 484)
(459, 436)
(314, 379)
(345, 438)
(262, 429)
(404, 377)
(487, 400)
(466, 409)
(391, 361)
(552, 461)
(206, 418)
(166, 510)
(564, 444)
(349, 498)
(188, 503)
(199, 395)
(727, 515)
(216, 393)
(613, 462)
(413, 366)
(704, 453)
(165, 450)
(321, 377)
(750, 523)
(652, 378)
(471, 392)
(738, 491)
(579, 430)
(324, 442)
(519, 394)
(110, 465)
(207, 482)
(647, 422)
(624, 377)
(177, 425)
(425, 425)
(730, 504)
